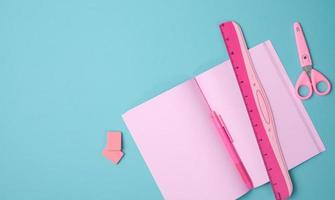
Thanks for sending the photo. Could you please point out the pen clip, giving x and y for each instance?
(218, 119)
(225, 128)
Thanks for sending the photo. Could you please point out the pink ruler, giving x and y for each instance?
(258, 108)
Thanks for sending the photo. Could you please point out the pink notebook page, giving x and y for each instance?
(294, 127)
(180, 144)
(182, 148)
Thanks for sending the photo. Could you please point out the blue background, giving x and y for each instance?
(70, 68)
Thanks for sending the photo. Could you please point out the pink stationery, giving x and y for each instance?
(113, 149)
(180, 143)
(259, 110)
(309, 78)
(229, 143)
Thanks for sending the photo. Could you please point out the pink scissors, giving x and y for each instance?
(310, 77)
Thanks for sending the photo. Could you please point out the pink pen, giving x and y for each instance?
(227, 140)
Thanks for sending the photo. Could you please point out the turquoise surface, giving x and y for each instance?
(70, 68)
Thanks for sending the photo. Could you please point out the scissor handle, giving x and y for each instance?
(303, 51)
(303, 81)
(316, 78)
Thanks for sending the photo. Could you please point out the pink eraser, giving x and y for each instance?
(114, 140)
(113, 148)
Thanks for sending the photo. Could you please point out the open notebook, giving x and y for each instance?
(182, 148)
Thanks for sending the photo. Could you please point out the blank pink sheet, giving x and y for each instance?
(182, 148)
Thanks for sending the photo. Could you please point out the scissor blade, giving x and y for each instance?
(303, 51)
